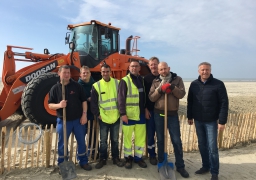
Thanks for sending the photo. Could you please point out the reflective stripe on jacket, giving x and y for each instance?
(107, 100)
(132, 99)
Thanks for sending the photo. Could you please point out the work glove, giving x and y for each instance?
(166, 88)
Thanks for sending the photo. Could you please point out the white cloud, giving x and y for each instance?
(201, 24)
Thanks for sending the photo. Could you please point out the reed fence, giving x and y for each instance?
(240, 129)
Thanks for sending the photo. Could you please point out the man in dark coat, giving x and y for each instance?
(207, 105)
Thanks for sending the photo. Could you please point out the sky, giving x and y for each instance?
(182, 33)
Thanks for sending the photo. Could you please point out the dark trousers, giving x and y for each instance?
(173, 125)
(151, 129)
(207, 133)
(114, 137)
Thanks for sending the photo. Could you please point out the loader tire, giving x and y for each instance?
(34, 99)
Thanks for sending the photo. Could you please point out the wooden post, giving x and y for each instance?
(76, 151)
(55, 149)
(250, 127)
(3, 149)
(9, 150)
(38, 150)
(220, 138)
(16, 144)
(43, 144)
(97, 140)
(71, 146)
(92, 140)
(21, 149)
(254, 126)
(247, 129)
(231, 122)
(33, 145)
(194, 137)
(242, 129)
(121, 145)
(87, 136)
(188, 142)
(51, 135)
(238, 128)
(183, 132)
(28, 134)
(47, 148)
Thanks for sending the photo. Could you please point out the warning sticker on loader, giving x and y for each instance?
(18, 89)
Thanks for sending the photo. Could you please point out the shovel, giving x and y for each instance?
(166, 169)
(67, 168)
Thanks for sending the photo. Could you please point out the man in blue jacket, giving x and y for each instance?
(208, 106)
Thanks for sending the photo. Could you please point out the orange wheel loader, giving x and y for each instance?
(91, 44)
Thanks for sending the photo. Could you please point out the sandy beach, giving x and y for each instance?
(236, 163)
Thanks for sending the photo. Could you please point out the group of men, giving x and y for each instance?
(139, 103)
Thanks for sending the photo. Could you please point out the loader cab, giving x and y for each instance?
(93, 41)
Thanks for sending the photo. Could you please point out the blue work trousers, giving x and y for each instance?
(79, 132)
(207, 133)
(173, 125)
(151, 129)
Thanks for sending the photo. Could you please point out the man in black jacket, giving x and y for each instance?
(149, 113)
(76, 114)
(208, 106)
(86, 81)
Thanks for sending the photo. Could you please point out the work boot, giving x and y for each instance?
(118, 162)
(86, 167)
(101, 163)
(214, 177)
(202, 171)
(183, 172)
(141, 163)
(128, 163)
(153, 160)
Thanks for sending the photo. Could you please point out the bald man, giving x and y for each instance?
(171, 84)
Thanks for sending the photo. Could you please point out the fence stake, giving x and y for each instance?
(97, 140)
(38, 151)
(16, 144)
(55, 149)
(87, 136)
(3, 149)
(47, 148)
(9, 150)
(92, 139)
(28, 134)
(71, 146)
(21, 149)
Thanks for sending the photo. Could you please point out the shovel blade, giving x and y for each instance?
(67, 170)
(167, 172)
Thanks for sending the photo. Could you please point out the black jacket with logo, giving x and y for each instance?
(75, 96)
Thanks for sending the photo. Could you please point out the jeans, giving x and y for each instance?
(173, 125)
(114, 137)
(79, 131)
(207, 142)
(151, 129)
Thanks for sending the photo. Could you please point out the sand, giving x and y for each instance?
(236, 163)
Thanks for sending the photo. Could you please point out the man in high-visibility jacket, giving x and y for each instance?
(131, 104)
(104, 107)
